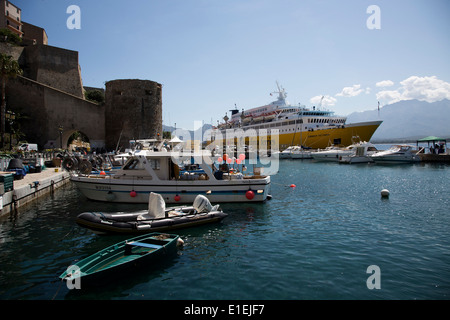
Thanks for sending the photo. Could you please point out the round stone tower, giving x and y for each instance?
(133, 111)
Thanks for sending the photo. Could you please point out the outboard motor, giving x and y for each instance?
(202, 204)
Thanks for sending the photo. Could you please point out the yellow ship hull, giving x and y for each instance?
(320, 139)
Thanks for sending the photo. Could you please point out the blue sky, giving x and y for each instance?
(212, 54)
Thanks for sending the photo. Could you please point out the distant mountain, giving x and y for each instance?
(409, 119)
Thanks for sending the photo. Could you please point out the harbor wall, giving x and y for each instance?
(32, 187)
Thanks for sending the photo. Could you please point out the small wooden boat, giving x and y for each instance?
(118, 259)
(156, 218)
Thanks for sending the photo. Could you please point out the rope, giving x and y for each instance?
(59, 288)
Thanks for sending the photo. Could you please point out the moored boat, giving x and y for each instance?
(120, 258)
(294, 152)
(336, 154)
(361, 155)
(313, 127)
(400, 153)
(156, 218)
(157, 172)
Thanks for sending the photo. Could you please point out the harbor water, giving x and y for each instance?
(320, 240)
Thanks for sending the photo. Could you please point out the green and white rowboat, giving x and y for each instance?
(117, 260)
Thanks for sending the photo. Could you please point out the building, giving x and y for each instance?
(33, 34)
(10, 17)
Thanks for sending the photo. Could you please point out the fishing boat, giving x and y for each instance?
(159, 172)
(313, 127)
(120, 258)
(156, 218)
(401, 153)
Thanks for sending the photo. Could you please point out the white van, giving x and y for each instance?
(28, 147)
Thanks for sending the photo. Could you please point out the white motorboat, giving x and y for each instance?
(331, 153)
(285, 154)
(298, 152)
(401, 153)
(361, 155)
(336, 153)
(294, 152)
(158, 172)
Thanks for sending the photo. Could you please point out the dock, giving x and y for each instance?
(31, 187)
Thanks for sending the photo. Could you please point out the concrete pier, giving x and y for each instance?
(31, 187)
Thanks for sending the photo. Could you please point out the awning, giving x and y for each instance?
(431, 138)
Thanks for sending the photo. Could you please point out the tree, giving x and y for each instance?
(9, 68)
(8, 36)
(95, 96)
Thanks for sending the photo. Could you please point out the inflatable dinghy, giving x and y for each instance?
(156, 218)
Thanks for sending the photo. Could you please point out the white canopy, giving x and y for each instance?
(175, 140)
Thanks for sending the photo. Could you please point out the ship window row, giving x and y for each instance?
(255, 111)
(316, 120)
(293, 122)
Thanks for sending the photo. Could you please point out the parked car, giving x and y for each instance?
(28, 147)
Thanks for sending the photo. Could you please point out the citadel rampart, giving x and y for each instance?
(133, 111)
(47, 108)
(50, 94)
(55, 67)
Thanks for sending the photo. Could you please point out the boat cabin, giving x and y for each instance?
(161, 166)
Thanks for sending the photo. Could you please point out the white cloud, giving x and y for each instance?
(350, 91)
(327, 101)
(428, 89)
(385, 83)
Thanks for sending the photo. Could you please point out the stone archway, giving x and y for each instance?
(77, 140)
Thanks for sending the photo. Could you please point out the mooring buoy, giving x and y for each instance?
(385, 193)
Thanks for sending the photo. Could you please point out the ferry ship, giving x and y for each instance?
(315, 128)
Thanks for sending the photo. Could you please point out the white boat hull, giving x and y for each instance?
(355, 159)
(330, 156)
(301, 155)
(172, 191)
(396, 159)
(397, 154)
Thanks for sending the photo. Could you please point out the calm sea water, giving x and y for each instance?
(314, 241)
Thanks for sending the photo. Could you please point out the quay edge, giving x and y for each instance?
(31, 187)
